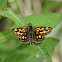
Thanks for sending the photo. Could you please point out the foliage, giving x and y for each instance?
(12, 50)
(50, 5)
(2, 4)
(25, 51)
(11, 0)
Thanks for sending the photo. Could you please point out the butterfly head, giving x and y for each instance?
(29, 24)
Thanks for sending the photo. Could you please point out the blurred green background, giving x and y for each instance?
(40, 13)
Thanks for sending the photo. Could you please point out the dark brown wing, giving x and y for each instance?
(21, 33)
(40, 32)
(43, 30)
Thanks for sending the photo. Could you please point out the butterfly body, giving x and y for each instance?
(30, 33)
(30, 30)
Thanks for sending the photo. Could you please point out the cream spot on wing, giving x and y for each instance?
(25, 33)
(18, 33)
(21, 33)
(20, 30)
(41, 32)
(23, 29)
(23, 37)
(41, 29)
(20, 38)
(36, 33)
(38, 28)
(15, 29)
(44, 31)
(14, 32)
(46, 28)
(39, 36)
(36, 36)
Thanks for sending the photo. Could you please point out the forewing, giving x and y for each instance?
(24, 38)
(21, 33)
(43, 30)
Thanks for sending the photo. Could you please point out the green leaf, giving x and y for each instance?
(30, 54)
(26, 52)
(6, 35)
(47, 47)
(49, 44)
(50, 5)
(34, 53)
(46, 20)
(55, 31)
(45, 53)
(7, 47)
(2, 4)
(50, 20)
(11, 0)
(3, 55)
(10, 14)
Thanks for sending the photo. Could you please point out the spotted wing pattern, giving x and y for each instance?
(21, 33)
(40, 32)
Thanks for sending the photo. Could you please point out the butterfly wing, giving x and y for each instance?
(21, 33)
(40, 32)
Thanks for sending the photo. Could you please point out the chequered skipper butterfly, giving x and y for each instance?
(30, 34)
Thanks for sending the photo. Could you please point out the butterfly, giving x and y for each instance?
(31, 34)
